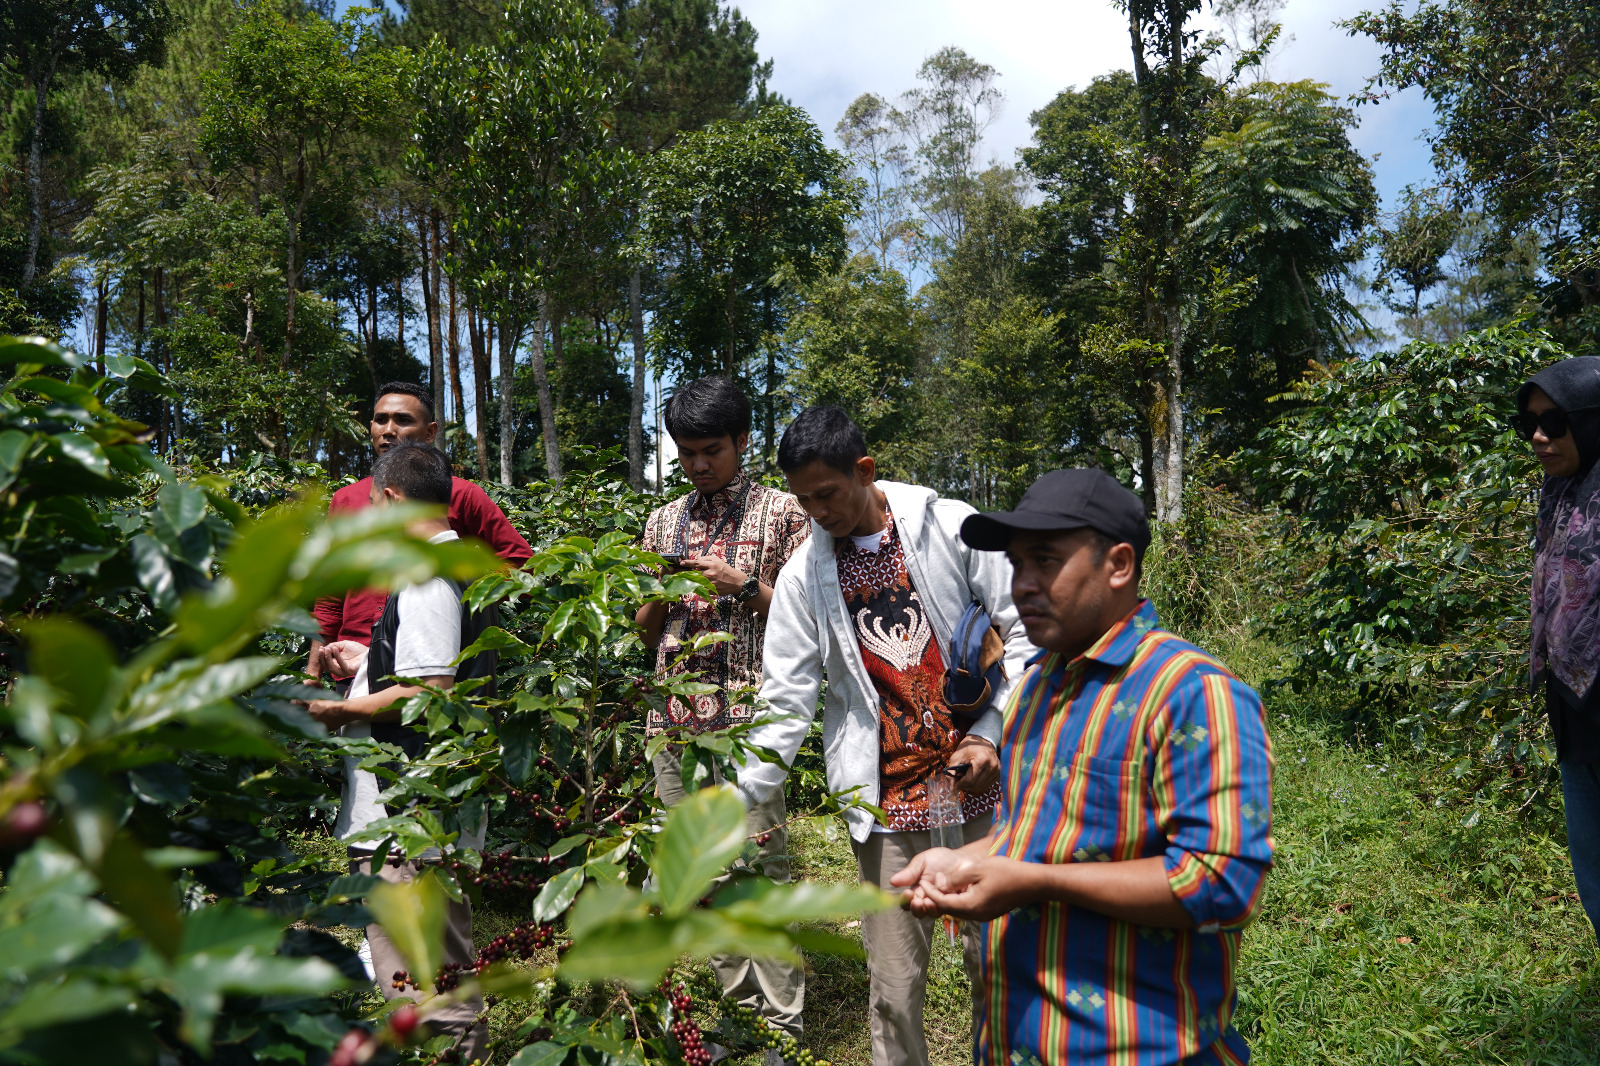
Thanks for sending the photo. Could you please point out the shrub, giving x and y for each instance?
(1405, 545)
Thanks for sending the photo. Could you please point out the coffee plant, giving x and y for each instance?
(155, 770)
(1406, 532)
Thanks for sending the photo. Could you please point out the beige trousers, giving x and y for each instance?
(459, 1020)
(773, 989)
(898, 946)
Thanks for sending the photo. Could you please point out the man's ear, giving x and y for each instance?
(866, 470)
(432, 432)
(741, 443)
(1122, 563)
(391, 496)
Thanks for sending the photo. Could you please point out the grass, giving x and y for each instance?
(1390, 932)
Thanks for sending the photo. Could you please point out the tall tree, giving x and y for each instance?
(687, 63)
(1154, 251)
(45, 38)
(515, 132)
(946, 119)
(292, 104)
(1514, 85)
(737, 215)
(870, 134)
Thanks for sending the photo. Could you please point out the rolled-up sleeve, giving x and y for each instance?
(1212, 786)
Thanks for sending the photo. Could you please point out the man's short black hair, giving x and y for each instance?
(409, 388)
(822, 434)
(710, 407)
(419, 472)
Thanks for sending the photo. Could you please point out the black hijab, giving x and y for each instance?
(1574, 386)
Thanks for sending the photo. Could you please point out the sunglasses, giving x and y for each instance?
(1554, 422)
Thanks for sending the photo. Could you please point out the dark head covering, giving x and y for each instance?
(1566, 560)
(1574, 386)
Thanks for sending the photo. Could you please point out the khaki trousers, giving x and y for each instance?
(898, 946)
(775, 990)
(459, 1020)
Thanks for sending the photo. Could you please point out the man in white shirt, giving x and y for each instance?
(418, 635)
(869, 604)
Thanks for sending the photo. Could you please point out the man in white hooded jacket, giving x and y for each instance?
(868, 604)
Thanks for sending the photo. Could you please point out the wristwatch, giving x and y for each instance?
(749, 590)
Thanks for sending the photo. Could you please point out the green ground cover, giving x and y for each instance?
(1390, 933)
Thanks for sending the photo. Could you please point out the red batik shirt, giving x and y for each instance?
(915, 732)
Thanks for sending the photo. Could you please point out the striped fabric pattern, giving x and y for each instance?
(1145, 745)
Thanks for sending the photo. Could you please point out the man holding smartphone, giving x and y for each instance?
(737, 533)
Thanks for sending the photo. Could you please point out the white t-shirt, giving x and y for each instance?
(872, 541)
(425, 644)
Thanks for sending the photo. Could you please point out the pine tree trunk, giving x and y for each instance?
(430, 287)
(372, 337)
(1172, 384)
(41, 91)
(460, 413)
(547, 412)
(100, 326)
(508, 436)
(636, 407)
(480, 390)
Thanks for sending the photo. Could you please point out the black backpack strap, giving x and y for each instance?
(380, 675)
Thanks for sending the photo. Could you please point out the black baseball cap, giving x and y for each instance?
(1062, 500)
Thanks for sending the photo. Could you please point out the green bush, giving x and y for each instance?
(1405, 546)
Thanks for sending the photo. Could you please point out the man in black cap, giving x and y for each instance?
(1133, 836)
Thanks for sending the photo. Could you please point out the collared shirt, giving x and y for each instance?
(1143, 746)
(916, 734)
(755, 529)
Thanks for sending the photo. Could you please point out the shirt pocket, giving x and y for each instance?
(1102, 807)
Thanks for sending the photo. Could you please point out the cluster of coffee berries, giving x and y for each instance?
(495, 871)
(532, 805)
(520, 943)
(765, 1036)
(685, 1030)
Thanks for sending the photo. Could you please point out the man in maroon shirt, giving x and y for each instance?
(404, 411)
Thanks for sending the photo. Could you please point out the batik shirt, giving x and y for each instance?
(755, 529)
(915, 731)
(1142, 746)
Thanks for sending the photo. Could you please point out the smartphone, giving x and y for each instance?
(673, 559)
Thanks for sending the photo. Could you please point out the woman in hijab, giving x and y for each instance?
(1558, 411)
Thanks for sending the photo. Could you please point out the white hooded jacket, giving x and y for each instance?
(810, 638)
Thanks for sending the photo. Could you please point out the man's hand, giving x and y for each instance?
(962, 885)
(314, 663)
(984, 761)
(331, 713)
(727, 580)
(344, 657)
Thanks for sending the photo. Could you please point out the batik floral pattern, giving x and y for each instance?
(756, 529)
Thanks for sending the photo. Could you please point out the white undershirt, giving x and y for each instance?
(425, 643)
(872, 542)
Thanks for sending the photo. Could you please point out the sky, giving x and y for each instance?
(827, 52)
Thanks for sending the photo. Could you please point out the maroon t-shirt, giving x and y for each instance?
(472, 514)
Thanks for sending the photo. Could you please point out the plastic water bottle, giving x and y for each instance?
(944, 826)
(944, 810)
